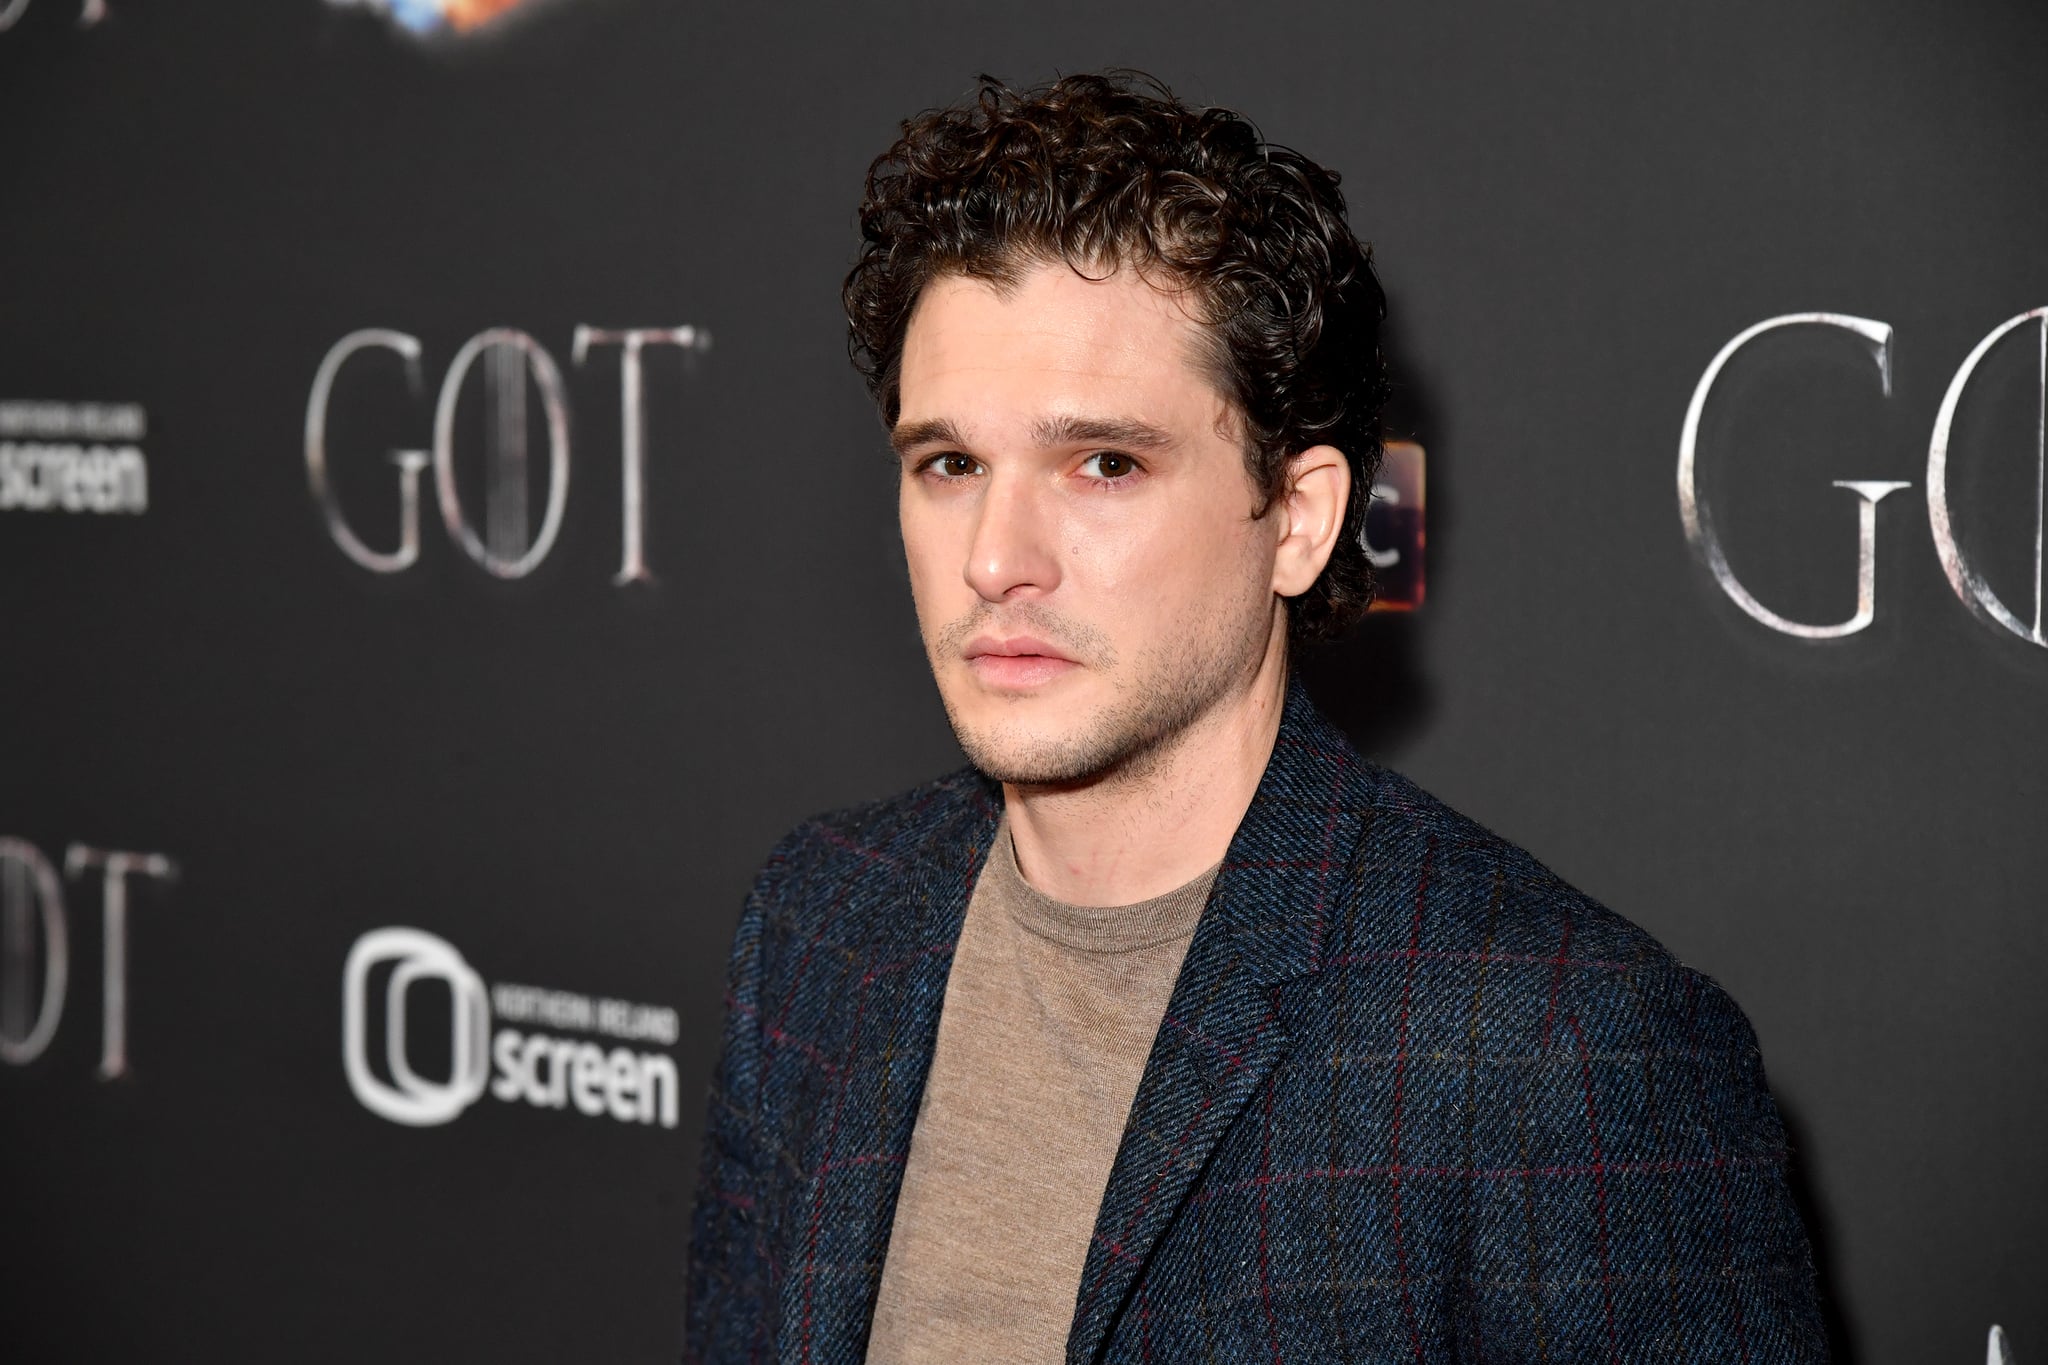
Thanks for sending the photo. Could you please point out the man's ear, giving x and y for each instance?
(1312, 517)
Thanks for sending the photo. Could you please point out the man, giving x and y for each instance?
(1174, 1030)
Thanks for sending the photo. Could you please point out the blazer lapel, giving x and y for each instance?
(855, 1155)
(1263, 926)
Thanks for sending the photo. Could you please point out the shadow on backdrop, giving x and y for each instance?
(1373, 682)
(1843, 1348)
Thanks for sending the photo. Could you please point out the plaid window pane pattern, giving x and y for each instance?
(1414, 1100)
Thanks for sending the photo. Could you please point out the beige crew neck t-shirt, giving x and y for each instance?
(1049, 1016)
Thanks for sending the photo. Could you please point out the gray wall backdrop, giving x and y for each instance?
(1575, 205)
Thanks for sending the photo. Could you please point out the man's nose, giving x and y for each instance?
(1014, 547)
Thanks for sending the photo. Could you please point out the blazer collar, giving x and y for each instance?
(833, 1273)
(1266, 923)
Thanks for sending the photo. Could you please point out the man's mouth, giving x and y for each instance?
(1018, 663)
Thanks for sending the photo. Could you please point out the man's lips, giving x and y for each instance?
(1016, 647)
(1019, 662)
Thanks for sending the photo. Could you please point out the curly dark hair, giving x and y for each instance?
(1111, 170)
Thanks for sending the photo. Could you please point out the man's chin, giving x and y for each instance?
(1055, 753)
(1037, 770)
(1005, 742)
(1073, 730)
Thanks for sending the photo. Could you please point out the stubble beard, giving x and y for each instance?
(1169, 689)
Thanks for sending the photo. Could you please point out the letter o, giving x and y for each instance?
(42, 881)
(1975, 593)
(549, 380)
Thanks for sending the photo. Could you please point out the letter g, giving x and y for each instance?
(1698, 517)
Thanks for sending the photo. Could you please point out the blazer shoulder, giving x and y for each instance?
(1506, 945)
(1545, 1035)
(1485, 894)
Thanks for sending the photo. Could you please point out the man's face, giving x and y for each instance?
(1076, 510)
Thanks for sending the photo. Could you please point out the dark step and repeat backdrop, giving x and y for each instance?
(444, 547)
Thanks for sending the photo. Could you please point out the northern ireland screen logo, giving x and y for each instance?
(422, 1062)
(73, 457)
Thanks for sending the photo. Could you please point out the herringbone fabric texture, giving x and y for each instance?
(1414, 1100)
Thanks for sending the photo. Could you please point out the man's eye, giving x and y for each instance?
(1107, 464)
(954, 466)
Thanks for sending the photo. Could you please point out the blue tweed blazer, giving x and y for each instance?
(1414, 1099)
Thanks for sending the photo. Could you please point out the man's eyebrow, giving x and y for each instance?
(906, 437)
(1066, 430)
(1127, 432)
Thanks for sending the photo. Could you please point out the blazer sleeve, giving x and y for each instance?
(1637, 1207)
(728, 1309)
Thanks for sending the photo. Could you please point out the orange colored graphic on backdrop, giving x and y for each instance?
(1394, 533)
(464, 15)
(435, 18)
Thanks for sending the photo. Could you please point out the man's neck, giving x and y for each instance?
(1133, 835)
